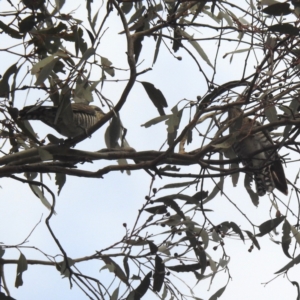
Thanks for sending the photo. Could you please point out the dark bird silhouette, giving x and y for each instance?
(82, 118)
(266, 165)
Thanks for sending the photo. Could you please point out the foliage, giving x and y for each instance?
(64, 57)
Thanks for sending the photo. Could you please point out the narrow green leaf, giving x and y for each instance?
(11, 32)
(137, 14)
(284, 28)
(141, 290)
(86, 55)
(293, 262)
(157, 47)
(115, 294)
(4, 84)
(156, 121)
(2, 251)
(126, 266)
(217, 188)
(269, 225)
(113, 131)
(59, 4)
(114, 267)
(286, 238)
(46, 71)
(156, 96)
(253, 195)
(185, 268)
(60, 180)
(278, 9)
(177, 185)
(253, 239)
(218, 294)
(22, 267)
(197, 47)
(159, 274)
(44, 155)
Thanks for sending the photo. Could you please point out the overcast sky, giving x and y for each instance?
(90, 212)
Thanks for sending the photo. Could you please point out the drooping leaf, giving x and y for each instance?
(252, 194)
(157, 47)
(126, 266)
(153, 247)
(115, 268)
(173, 123)
(38, 192)
(11, 32)
(185, 268)
(156, 120)
(5, 297)
(169, 201)
(237, 230)
(137, 46)
(2, 251)
(4, 84)
(218, 293)
(141, 290)
(298, 288)
(204, 236)
(59, 4)
(21, 267)
(107, 66)
(113, 131)
(86, 55)
(217, 188)
(200, 6)
(203, 261)
(115, 294)
(253, 239)
(156, 96)
(60, 180)
(293, 262)
(286, 238)
(284, 28)
(196, 45)
(269, 225)
(271, 113)
(137, 15)
(234, 176)
(160, 209)
(278, 9)
(178, 185)
(159, 274)
(296, 234)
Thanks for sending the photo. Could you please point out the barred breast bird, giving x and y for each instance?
(267, 168)
(84, 117)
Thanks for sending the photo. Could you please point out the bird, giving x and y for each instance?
(84, 117)
(266, 165)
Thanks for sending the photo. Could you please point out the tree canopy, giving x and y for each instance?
(164, 77)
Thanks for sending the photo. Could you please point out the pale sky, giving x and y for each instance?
(90, 212)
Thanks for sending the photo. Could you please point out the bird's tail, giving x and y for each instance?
(46, 114)
(264, 181)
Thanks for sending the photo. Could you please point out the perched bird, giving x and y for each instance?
(84, 117)
(266, 165)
